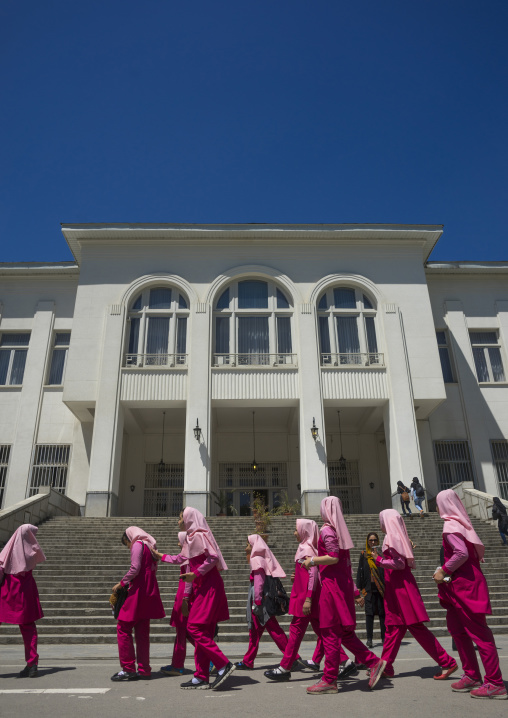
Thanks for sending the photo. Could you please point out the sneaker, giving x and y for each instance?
(222, 677)
(347, 670)
(172, 671)
(199, 686)
(309, 664)
(387, 673)
(241, 666)
(489, 691)
(445, 672)
(465, 685)
(276, 674)
(321, 688)
(28, 672)
(125, 676)
(376, 673)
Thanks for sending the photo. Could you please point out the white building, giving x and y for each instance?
(211, 323)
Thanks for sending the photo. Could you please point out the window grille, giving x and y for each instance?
(13, 358)
(5, 453)
(487, 356)
(500, 457)
(453, 460)
(163, 490)
(49, 467)
(344, 481)
(444, 356)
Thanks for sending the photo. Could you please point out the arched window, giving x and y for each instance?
(157, 332)
(252, 325)
(347, 328)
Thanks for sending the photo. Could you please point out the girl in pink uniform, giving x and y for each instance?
(143, 602)
(337, 616)
(204, 599)
(19, 598)
(404, 606)
(466, 599)
(304, 602)
(262, 563)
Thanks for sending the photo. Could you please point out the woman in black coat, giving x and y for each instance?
(371, 584)
(401, 490)
(499, 513)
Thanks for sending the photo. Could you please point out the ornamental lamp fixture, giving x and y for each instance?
(314, 430)
(197, 431)
(162, 466)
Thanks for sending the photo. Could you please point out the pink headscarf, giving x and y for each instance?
(21, 553)
(456, 520)
(262, 557)
(182, 538)
(396, 535)
(331, 513)
(199, 538)
(309, 536)
(134, 533)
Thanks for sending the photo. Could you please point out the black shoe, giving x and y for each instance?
(241, 666)
(125, 676)
(190, 686)
(28, 672)
(309, 664)
(347, 671)
(369, 643)
(277, 675)
(222, 678)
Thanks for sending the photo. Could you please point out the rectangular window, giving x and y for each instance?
(370, 330)
(181, 339)
(59, 358)
(500, 458)
(157, 341)
(253, 341)
(5, 453)
(49, 468)
(444, 355)
(284, 344)
(453, 462)
(349, 341)
(344, 298)
(13, 358)
(487, 356)
(324, 340)
(222, 335)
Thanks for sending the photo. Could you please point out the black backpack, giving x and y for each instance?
(276, 600)
(420, 491)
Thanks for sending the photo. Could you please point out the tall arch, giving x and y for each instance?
(255, 271)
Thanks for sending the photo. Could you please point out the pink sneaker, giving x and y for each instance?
(376, 673)
(322, 687)
(489, 691)
(465, 685)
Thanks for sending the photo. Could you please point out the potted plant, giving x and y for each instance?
(262, 515)
(222, 502)
(287, 507)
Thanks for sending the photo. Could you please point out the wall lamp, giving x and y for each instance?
(197, 431)
(372, 484)
(314, 430)
(132, 487)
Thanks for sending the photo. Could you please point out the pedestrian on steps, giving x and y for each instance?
(304, 601)
(404, 607)
(404, 493)
(337, 617)
(204, 598)
(19, 597)
(143, 603)
(179, 621)
(464, 593)
(499, 513)
(262, 564)
(417, 494)
(370, 582)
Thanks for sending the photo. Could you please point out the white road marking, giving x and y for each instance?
(74, 691)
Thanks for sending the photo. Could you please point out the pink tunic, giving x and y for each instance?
(403, 603)
(305, 585)
(143, 600)
(19, 599)
(336, 602)
(177, 619)
(468, 589)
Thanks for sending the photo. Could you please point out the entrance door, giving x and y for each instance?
(240, 483)
(163, 490)
(345, 484)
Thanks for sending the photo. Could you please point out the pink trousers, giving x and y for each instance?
(126, 646)
(29, 633)
(275, 632)
(180, 646)
(467, 629)
(332, 637)
(297, 630)
(426, 639)
(205, 649)
(319, 652)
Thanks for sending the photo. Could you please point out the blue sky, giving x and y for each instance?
(267, 111)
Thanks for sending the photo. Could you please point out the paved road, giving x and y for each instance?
(81, 673)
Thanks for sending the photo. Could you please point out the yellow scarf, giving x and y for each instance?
(374, 573)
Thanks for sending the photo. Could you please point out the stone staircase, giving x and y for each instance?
(86, 558)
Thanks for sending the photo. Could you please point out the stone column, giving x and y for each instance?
(313, 461)
(105, 459)
(30, 404)
(399, 416)
(197, 455)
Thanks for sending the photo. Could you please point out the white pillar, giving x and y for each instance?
(476, 412)
(399, 416)
(30, 403)
(197, 455)
(313, 461)
(105, 459)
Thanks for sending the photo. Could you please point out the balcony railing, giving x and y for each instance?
(374, 359)
(134, 361)
(232, 360)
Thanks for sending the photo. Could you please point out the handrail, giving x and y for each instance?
(375, 359)
(254, 359)
(45, 504)
(134, 361)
